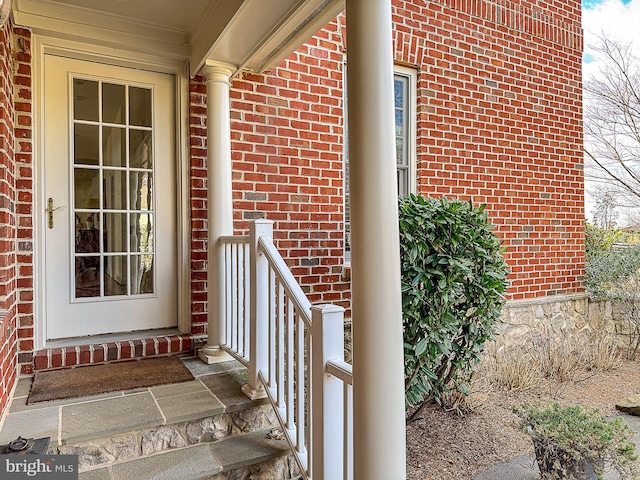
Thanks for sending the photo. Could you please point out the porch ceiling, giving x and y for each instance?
(249, 34)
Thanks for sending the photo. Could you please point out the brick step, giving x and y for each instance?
(109, 349)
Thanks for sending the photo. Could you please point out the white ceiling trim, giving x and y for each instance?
(85, 16)
(260, 35)
(293, 33)
(102, 29)
(250, 34)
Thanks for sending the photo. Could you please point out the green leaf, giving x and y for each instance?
(453, 284)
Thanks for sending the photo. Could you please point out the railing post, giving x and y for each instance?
(259, 309)
(327, 415)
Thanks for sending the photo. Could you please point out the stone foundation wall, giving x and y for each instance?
(564, 315)
(622, 320)
(129, 446)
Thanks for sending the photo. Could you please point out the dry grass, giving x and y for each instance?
(472, 433)
(547, 364)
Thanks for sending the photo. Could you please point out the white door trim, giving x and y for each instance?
(46, 45)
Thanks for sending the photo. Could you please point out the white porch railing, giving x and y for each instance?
(294, 353)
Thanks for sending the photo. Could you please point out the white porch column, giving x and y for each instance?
(219, 197)
(378, 364)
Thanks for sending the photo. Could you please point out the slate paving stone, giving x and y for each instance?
(217, 388)
(227, 387)
(185, 464)
(198, 368)
(32, 424)
(249, 449)
(23, 387)
(20, 404)
(99, 474)
(185, 388)
(521, 468)
(182, 408)
(111, 416)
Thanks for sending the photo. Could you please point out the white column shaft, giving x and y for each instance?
(220, 205)
(378, 364)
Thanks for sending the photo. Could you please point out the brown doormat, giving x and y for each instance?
(95, 379)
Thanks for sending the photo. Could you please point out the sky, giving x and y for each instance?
(616, 19)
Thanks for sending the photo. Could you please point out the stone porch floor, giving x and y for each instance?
(215, 390)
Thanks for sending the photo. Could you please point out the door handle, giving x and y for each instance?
(50, 211)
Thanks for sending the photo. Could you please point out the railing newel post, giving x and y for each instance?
(327, 392)
(258, 306)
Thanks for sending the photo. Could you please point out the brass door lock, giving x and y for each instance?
(50, 211)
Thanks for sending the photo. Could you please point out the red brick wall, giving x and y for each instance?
(499, 108)
(8, 299)
(24, 200)
(500, 123)
(499, 112)
(287, 130)
(286, 136)
(198, 199)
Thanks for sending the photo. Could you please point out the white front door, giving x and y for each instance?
(109, 169)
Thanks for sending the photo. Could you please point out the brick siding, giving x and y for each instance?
(198, 199)
(499, 111)
(24, 201)
(500, 123)
(8, 274)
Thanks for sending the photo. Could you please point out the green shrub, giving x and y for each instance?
(569, 439)
(598, 239)
(453, 284)
(606, 269)
(614, 274)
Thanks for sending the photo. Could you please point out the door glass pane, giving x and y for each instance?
(140, 106)
(141, 190)
(115, 275)
(115, 232)
(115, 190)
(87, 232)
(141, 274)
(86, 187)
(87, 276)
(113, 103)
(85, 144)
(113, 195)
(85, 100)
(140, 149)
(142, 233)
(114, 146)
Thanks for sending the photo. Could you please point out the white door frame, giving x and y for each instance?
(42, 45)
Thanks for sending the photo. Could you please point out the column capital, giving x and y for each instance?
(219, 71)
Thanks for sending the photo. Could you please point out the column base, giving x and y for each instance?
(211, 355)
(254, 393)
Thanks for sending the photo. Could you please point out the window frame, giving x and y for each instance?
(410, 76)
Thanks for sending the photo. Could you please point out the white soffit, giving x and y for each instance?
(262, 34)
(145, 26)
(250, 34)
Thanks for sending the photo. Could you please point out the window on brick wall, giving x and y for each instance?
(405, 120)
